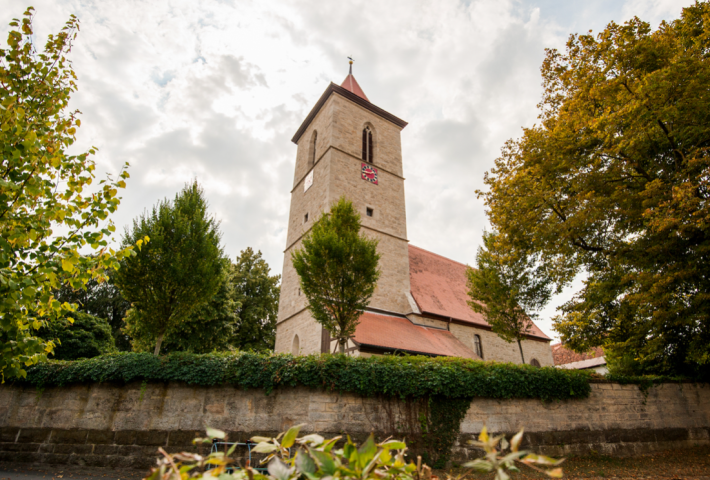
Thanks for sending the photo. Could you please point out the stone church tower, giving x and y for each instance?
(346, 147)
(349, 147)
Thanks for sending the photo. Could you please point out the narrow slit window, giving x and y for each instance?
(305, 218)
(370, 212)
(313, 149)
(479, 347)
(367, 148)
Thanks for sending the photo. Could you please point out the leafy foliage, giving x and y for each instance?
(315, 458)
(47, 210)
(614, 183)
(338, 270)
(102, 300)
(443, 424)
(505, 289)
(392, 376)
(84, 336)
(209, 328)
(256, 294)
(497, 460)
(179, 270)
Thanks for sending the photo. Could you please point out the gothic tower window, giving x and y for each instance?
(479, 347)
(295, 346)
(367, 149)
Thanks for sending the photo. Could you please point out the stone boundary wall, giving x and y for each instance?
(123, 425)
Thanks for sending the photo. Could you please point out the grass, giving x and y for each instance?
(685, 463)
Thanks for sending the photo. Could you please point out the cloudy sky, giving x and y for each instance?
(215, 89)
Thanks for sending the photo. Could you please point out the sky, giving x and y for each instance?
(214, 90)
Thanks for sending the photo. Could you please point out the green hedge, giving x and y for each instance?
(397, 376)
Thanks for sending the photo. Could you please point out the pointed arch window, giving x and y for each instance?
(367, 149)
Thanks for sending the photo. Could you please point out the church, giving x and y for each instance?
(347, 146)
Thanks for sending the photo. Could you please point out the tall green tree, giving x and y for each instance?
(178, 271)
(338, 270)
(257, 298)
(50, 213)
(507, 290)
(102, 300)
(614, 184)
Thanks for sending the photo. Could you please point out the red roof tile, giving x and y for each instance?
(439, 286)
(397, 333)
(563, 355)
(351, 84)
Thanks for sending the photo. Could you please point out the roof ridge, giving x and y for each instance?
(437, 255)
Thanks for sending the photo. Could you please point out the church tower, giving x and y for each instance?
(346, 147)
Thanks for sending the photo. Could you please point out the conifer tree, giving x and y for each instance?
(179, 270)
(338, 270)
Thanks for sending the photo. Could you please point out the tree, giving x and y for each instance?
(49, 212)
(257, 296)
(102, 300)
(80, 335)
(210, 327)
(614, 184)
(178, 271)
(505, 289)
(338, 270)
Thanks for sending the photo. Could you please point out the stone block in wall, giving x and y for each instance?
(32, 435)
(68, 436)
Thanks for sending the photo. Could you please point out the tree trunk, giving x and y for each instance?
(520, 346)
(341, 343)
(158, 343)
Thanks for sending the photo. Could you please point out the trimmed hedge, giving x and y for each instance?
(395, 376)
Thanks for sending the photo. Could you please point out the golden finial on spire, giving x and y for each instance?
(350, 58)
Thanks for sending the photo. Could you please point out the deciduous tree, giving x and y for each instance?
(50, 214)
(614, 184)
(338, 270)
(102, 300)
(79, 335)
(257, 298)
(506, 290)
(178, 271)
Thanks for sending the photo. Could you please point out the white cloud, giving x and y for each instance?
(214, 90)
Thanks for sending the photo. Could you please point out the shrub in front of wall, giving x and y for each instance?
(393, 376)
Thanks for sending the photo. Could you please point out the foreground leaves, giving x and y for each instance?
(50, 213)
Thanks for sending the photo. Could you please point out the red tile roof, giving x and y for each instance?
(563, 355)
(439, 286)
(351, 85)
(397, 333)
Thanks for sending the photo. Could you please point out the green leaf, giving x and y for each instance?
(290, 436)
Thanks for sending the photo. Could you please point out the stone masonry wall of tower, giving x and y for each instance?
(336, 172)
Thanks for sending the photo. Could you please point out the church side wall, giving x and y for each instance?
(124, 425)
(497, 349)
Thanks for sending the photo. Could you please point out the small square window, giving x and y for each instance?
(305, 218)
(370, 212)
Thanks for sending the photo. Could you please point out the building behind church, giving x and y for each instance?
(349, 147)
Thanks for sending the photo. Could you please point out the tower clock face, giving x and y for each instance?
(369, 173)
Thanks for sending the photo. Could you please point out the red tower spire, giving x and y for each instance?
(351, 84)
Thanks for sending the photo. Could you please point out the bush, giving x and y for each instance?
(86, 337)
(393, 376)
